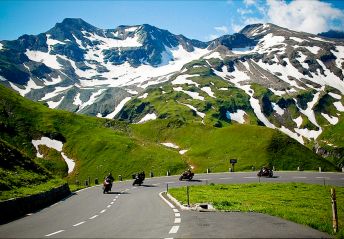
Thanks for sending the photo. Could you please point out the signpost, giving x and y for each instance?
(233, 162)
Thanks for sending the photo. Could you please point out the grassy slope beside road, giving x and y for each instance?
(302, 203)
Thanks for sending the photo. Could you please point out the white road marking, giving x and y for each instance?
(156, 184)
(127, 189)
(75, 225)
(116, 197)
(93, 217)
(169, 238)
(54, 233)
(323, 177)
(250, 177)
(29, 214)
(225, 178)
(102, 211)
(174, 229)
(170, 182)
(299, 177)
(177, 214)
(175, 210)
(166, 201)
(108, 206)
(112, 203)
(177, 220)
(134, 187)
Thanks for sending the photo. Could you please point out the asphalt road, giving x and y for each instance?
(140, 212)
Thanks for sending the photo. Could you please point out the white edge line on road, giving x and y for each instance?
(174, 229)
(250, 177)
(177, 214)
(75, 225)
(102, 211)
(299, 177)
(225, 178)
(166, 201)
(169, 238)
(93, 217)
(175, 210)
(323, 177)
(54, 233)
(170, 182)
(177, 220)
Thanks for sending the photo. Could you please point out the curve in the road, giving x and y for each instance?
(138, 212)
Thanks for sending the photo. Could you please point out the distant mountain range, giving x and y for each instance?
(264, 75)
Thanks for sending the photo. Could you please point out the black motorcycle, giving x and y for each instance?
(186, 175)
(107, 185)
(138, 178)
(265, 172)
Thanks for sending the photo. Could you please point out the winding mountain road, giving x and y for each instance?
(141, 212)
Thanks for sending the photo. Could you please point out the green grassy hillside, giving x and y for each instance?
(100, 145)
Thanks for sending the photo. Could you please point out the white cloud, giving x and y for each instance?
(311, 16)
(212, 37)
(221, 29)
(304, 15)
(249, 2)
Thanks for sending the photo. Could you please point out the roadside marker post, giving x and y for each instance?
(188, 195)
(334, 210)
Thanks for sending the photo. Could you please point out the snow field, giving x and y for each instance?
(54, 144)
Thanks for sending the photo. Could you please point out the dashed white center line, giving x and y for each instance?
(75, 225)
(127, 189)
(112, 203)
(299, 177)
(93, 217)
(54, 233)
(323, 177)
(174, 229)
(170, 182)
(250, 177)
(175, 210)
(102, 211)
(108, 206)
(116, 197)
(177, 220)
(225, 178)
(177, 214)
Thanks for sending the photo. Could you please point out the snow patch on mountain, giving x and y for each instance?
(183, 79)
(339, 106)
(54, 104)
(313, 49)
(54, 144)
(118, 108)
(107, 43)
(144, 96)
(238, 116)
(332, 119)
(193, 95)
(43, 57)
(170, 145)
(30, 85)
(148, 117)
(208, 90)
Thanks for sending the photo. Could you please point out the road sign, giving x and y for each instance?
(233, 161)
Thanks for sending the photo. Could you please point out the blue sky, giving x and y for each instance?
(202, 20)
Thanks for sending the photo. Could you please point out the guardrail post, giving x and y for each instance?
(319, 169)
(86, 183)
(253, 168)
(342, 169)
(230, 170)
(151, 174)
(273, 168)
(120, 177)
(298, 168)
(208, 170)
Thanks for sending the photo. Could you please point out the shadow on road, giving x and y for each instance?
(148, 186)
(117, 193)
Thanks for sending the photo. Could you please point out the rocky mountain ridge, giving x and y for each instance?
(265, 74)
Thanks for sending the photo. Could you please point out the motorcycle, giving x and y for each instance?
(265, 172)
(107, 185)
(138, 178)
(186, 175)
